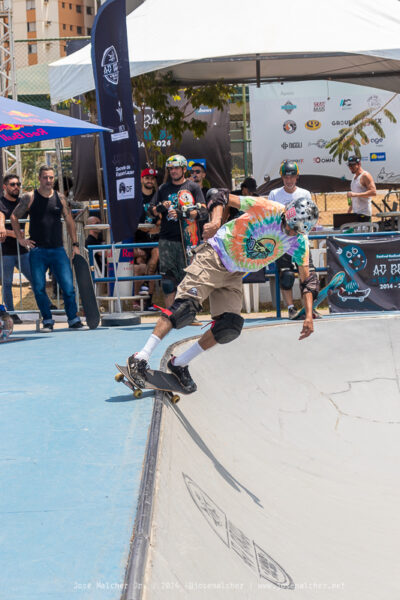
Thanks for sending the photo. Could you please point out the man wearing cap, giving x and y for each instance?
(198, 174)
(362, 188)
(148, 259)
(289, 171)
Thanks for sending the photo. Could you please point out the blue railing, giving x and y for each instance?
(270, 271)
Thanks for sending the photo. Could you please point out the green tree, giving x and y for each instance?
(173, 110)
(350, 139)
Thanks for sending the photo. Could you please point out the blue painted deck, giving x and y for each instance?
(72, 443)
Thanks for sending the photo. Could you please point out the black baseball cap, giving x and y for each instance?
(250, 184)
(353, 160)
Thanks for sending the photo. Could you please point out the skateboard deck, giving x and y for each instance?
(10, 339)
(336, 282)
(86, 291)
(190, 231)
(156, 380)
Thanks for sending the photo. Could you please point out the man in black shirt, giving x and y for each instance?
(198, 175)
(46, 207)
(9, 246)
(165, 203)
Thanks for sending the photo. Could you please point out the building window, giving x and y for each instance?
(64, 26)
(70, 28)
(79, 30)
(62, 4)
(30, 4)
(89, 10)
(78, 8)
(70, 7)
(89, 31)
(32, 48)
(31, 25)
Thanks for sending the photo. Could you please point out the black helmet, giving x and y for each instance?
(353, 160)
(289, 167)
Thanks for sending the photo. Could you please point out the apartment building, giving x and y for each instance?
(48, 19)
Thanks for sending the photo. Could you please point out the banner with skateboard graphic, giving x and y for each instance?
(372, 268)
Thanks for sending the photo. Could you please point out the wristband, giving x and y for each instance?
(76, 244)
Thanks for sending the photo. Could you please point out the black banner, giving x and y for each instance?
(372, 268)
(120, 157)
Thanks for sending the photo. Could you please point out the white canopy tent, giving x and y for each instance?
(251, 41)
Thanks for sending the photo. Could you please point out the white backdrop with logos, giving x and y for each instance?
(296, 120)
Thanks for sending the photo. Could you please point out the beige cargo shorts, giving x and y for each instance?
(207, 277)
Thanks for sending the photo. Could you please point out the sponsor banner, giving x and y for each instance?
(372, 268)
(119, 149)
(295, 121)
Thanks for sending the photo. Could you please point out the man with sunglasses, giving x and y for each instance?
(198, 175)
(362, 188)
(8, 201)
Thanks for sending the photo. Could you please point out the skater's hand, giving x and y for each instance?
(308, 328)
(210, 229)
(75, 250)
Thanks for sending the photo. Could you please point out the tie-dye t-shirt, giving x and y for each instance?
(256, 238)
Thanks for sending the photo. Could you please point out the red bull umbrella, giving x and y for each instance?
(22, 124)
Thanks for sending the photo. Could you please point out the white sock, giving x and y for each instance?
(290, 306)
(148, 348)
(189, 354)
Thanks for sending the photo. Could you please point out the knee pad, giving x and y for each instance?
(286, 279)
(227, 327)
(183, 312)
(168, 286)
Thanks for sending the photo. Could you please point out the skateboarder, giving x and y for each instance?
(258, 237)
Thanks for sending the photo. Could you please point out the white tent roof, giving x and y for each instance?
(355, 42)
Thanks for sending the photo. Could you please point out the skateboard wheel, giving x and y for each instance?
(175, 398)
(119, 377)
(138, 393)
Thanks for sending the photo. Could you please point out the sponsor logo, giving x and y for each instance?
(5, 127)
(109, 62)
(291, 145)
(298, 160)
(120, 135)
(312, 125)
(203, 110)
(193, 291)
(374, 101)
(288, 106)
(345, 103)
(346, 122)
(377, 141)
(289, 127)
(125, 188)
(319, 143)
(318, 160)
(290, 213)
(319, 106)
(375, 156)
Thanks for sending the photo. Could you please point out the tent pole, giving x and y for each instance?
(244, 105)
(99, 177)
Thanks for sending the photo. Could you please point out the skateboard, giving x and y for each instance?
(6, 324)
(336, 282)
(190, 231)
(86, 291)
(156, 380)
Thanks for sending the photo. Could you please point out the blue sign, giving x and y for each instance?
(200, 161)
(375, 156)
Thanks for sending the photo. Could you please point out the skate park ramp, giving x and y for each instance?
(279, 477)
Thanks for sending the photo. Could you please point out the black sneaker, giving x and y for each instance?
(183, 375)
(76, 325)
(16, 319)
(137, 369)
(46, 327)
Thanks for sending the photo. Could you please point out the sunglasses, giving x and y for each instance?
(15, 184)
(197, 171)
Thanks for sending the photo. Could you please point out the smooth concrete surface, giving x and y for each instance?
(280, 476)
(72, 443)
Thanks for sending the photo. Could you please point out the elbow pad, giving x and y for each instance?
(310, 285)
(216, 197)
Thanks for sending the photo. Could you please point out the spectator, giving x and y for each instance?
(171, 244)
(248, 187)
(142, 235)
(46, 207)
(9, 200)
(289, 171)
(94, 238)
(362, 188)
(198, 174)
